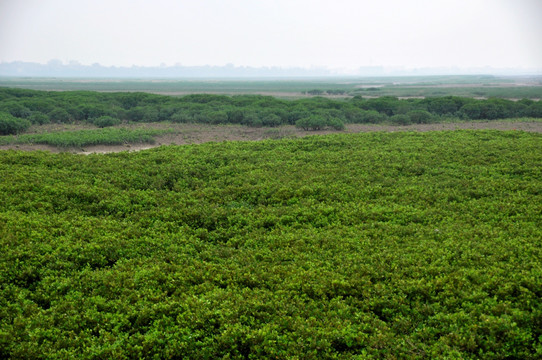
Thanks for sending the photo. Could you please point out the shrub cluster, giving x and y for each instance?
(316, 122)
(10, 125)
(106, 109)
(105, 121)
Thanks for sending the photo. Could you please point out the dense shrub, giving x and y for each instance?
(39, 118)
(271, 119)
(251, 110)
(318, 122)
(136, 113)
(335, 123)
(296, 114)
(364, 246)
(235, 115)
(373, 117)
(181, 117)
(386, 105)
(16, 109)
(534, 110)
(10, 125)
(213, 117)
(59, 115)
(151, 115)
(471, 111)
(311, 123)
(400, 119)
(448, 105)
(90, 111)
(105, 121)
(251, 118)
(419, 116)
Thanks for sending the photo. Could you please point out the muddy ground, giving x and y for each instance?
(199, 133)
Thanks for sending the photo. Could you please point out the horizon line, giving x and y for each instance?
(58, 68)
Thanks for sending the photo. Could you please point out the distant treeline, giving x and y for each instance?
(19, 108)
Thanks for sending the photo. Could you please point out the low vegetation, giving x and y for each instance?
(380, 245)
(80, 138)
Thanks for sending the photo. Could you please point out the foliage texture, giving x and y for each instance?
(108, 109)
(381, 245)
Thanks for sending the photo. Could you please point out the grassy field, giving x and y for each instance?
(87, 137)
(377, 245)
(405, 86)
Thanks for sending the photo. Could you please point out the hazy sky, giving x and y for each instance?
(335, 34)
